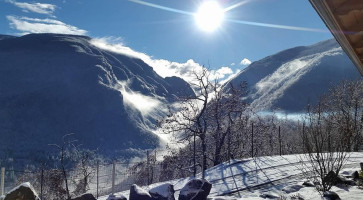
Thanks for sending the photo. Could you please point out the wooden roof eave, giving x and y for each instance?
(326, 14)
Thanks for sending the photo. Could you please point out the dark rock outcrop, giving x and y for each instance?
(86, 196)
(330, 178)
(355, 175)
(196, 189)
(331, 195)
(113, 197)
(137, 193)
(333, 179)
(163, 192)
(343, 180)
(24, 191)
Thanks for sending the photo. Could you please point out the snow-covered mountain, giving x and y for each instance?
(52, 85)
(291, 79)
(2, 37)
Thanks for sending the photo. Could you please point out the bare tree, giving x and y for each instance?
(48, 182)
(334, 128)
(191, 121)
(323, 144)
(177, 163)
(84, 169)
(345, 104)
(65, 157)
(225, 109)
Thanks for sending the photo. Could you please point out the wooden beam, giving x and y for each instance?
(347, 7)
(325, 9)
(358, 44)
(355, 37)
(351, 22)
(337, 3)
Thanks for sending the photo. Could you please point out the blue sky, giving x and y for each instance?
(173, 36)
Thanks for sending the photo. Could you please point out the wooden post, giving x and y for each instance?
(252, 142)
(97, 174)
(280, 141)
(41, 183)
(194, 159)
(2, 180)
(303, 137)
(229, 145)
(113, 176)
(148, 167)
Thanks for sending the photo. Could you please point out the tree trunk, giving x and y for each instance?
(204, 150)
(217, 156)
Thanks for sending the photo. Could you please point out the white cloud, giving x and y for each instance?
(114, 45)
(221, 73)
(164, 67)
(245, 61)
(231, 76)
(184, 70)
(40, 8)
(35, 25)
(233, 64)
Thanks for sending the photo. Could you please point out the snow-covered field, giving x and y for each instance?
(274, 176)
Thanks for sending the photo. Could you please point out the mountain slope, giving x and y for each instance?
(51, 85)
(291, 79)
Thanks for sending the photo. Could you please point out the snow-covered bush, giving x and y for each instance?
(332, 129)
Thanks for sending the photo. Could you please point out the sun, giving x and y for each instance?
(209, 16)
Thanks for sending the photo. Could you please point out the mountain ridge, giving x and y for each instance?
(55, 84)
(291, 79)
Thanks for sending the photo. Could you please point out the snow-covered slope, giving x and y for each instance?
(2, 37)
(257, 178)
(52, 85)
(291, 79)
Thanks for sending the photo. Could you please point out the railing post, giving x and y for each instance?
(97, 174)
(252, 142)
(2, 181)
(148, 167)
(113, 176)
(280, 141)
(41, 183)
(194, 158)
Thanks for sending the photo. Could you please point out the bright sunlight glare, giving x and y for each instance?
(209, 16)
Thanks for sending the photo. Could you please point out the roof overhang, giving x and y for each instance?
(344, 19)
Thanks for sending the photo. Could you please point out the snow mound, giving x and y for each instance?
(24, 191)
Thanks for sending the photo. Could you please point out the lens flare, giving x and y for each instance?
(209, 20)
(209, 16)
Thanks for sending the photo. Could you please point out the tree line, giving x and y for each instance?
(217, 124)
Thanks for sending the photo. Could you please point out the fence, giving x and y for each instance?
(101, 179)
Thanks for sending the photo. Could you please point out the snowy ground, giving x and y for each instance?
(273, 176)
